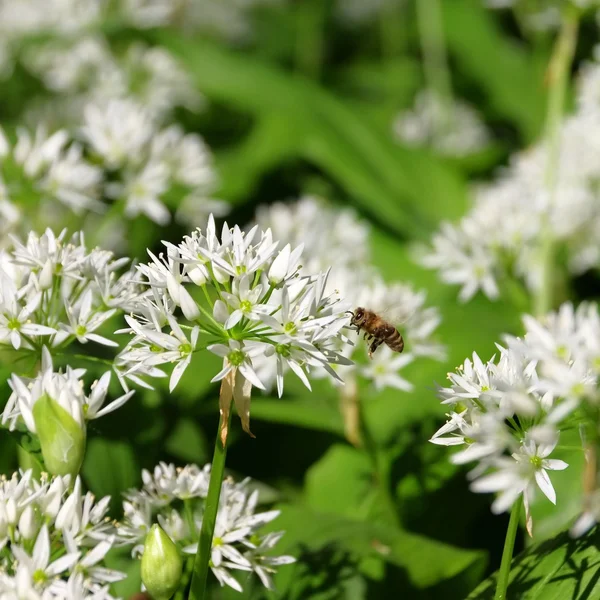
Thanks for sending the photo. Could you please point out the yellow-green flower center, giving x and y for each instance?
(236, 357)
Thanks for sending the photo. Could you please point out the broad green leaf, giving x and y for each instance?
(187, 443)
(556, 569)
(109, 468)
(390, 182)
(341, 482)
(314, 536)
(311, 411)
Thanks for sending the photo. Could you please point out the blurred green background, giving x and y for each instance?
(304, 101)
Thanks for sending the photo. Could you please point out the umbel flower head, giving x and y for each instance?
(501, 235)
(54, 540)
(238, 544)
(239, 296)
(507, 414)
(339, 236)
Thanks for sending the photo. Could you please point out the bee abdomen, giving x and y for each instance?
(395, 341)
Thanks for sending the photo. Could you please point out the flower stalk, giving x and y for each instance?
(203, 554)
(435, 61)
(557, 79)
(507, 553)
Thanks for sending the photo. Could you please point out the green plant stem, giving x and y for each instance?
(558, 78)
(381, 470)
(507, 553)
(310, 37)
(435, 60)
(201, 562)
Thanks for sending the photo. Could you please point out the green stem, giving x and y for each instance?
(381, 470)
(507, 553)
(202, 560)
(310, 37)
(435, 61)
(558, 78)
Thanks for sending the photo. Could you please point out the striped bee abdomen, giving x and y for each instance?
(394, 340)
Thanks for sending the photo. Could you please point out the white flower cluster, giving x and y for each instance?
(84, 70)
(502, 234)
(507, 414)
(227, 19)
(54, 291)
(243, 296)
(453, 130)
(53, 540)
(123, 156)
(237, 544)
(338, 238)
(358, 12)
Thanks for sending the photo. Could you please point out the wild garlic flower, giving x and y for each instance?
(454, 130)
(238, 296)
(238, 544)
(339, 236)
(507, 414)
(502, 234)
(123, 155)
(226, 19)
(54, 540)
(54, 291)
(84, 70)
(355, 13)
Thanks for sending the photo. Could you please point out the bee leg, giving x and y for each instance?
(374, 347)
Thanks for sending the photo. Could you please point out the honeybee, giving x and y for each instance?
(377, 330)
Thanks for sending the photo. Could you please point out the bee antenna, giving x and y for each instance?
(349, 312)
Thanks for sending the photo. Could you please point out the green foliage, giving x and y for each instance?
(555, 569)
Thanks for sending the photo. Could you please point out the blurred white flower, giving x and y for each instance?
(454, 130)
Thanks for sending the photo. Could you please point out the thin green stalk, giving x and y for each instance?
(435, 60)
(558, 78)
(202, 560)
(507, 553)
(310, 37)
(381, 470)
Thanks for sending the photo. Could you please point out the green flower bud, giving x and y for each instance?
(161, 564)
(62, 439)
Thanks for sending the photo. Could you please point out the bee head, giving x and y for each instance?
(359, 313)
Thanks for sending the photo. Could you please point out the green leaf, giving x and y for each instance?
(340, 482)
(310, 411)
(556, 569)
(314, 536)
(187, 442)
(392, 183)
(110, 467)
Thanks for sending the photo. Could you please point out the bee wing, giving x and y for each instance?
(395, 315)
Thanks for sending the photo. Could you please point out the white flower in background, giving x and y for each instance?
(339, 236)
(10, 216)
(54, 540)
(228, 19)
(454, 130)
(501, 235)
(229, 307)
(238, 544)
(507, 414)
(358, 12)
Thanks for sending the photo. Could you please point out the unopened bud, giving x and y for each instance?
(161, 564)
(62, 439)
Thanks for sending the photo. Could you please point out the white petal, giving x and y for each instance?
(545, 485)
